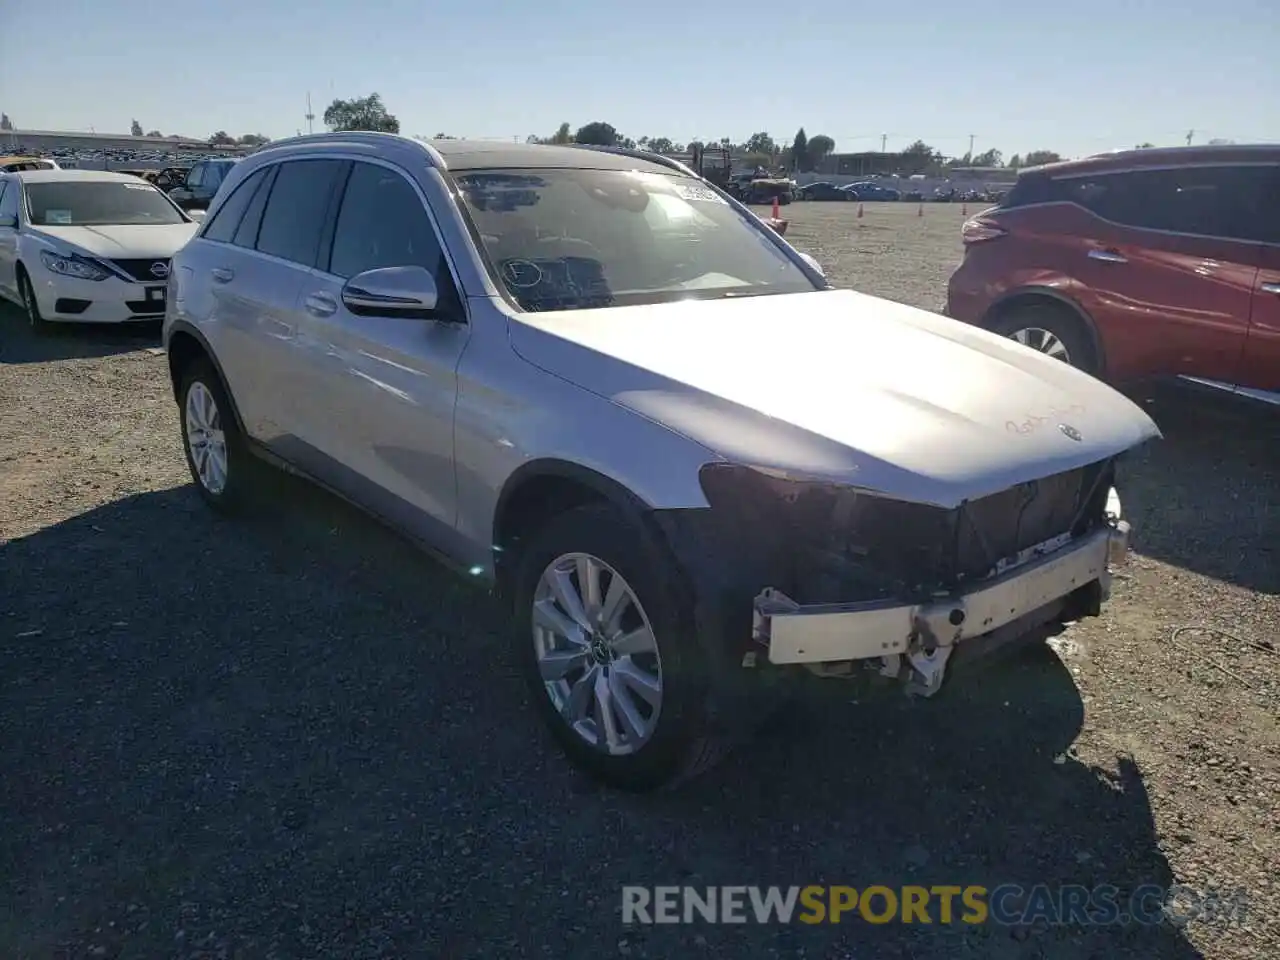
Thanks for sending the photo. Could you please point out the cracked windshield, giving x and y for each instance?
(541, 482)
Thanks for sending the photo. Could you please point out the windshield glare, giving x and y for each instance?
(581, 239)
(98, 203)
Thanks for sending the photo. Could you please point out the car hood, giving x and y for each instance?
(127, 242)
(839, 386)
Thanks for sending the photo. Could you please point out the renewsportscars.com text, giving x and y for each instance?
(1008, 904)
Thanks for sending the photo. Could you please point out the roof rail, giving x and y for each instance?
(638, 154)
(360, 136)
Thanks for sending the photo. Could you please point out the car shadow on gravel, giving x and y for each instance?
(70, 341)
(1207, 496)
(293, 736)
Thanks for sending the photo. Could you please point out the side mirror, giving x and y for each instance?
(813, 263)
(392, 292)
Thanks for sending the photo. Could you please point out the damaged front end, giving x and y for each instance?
(843, 581)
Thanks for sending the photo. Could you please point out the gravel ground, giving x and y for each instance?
(291, 736)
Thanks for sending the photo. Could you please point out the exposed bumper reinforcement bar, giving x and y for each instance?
(796, 634)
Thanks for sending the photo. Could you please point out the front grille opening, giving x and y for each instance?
(857, 547)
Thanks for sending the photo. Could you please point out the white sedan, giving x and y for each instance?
(87, 246)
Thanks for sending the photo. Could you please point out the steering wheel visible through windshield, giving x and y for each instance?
(581, 239)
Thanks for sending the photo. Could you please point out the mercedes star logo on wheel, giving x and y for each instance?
(159, 269)
(1070, 432)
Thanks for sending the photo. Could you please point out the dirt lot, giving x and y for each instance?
(293, 737)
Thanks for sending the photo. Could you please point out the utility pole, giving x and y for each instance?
(1190, 134)
(884, 138)
(970, 148)
(310, 116)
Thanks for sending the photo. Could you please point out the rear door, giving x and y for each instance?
(285, 242)
(383, 388)
(1260, 368)
(1168, 268)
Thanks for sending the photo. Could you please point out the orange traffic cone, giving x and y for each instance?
(776, 213)
(920, 210)
(859, 211)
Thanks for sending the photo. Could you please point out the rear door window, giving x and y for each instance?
(294, 217)
(195, 175)
(1223, 201)
(225, 222)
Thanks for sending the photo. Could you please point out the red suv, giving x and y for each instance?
(1137, 264)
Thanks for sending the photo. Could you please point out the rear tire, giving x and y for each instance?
(624, 738)
(217, 454)
(1050, 329)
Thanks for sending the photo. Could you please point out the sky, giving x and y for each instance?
(1076, 76)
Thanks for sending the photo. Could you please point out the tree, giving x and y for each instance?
(1036, 157)
(5, 122)
(800, 152)
(820, 147)
(920, 158)
(1015, 162)
(760, 143)
(362, 113)
(135, 129)
(1215, 143)
(253, 140)
(597, 132)
(991, 158)
(1148, 146)
(662, 145)
(155, 133)
(221, 139)
(443, 136)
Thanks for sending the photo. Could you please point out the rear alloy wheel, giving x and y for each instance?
(28, 293)
(612, 663)
(1053, 331)
(219, 461)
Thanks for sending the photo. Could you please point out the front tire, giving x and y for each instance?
(217, 455)
(609, 652)
(37, 322)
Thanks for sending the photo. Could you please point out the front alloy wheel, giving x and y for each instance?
(597, 654)
(609, 651)
(29, 303)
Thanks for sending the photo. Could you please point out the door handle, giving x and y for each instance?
(1108, 256)
(1271, 287)
(223, 275)
(320, 304)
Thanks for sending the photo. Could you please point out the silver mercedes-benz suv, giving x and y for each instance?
(594, 380)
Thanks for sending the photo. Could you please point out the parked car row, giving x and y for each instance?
(875, 192)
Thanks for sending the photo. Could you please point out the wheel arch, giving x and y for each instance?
(185, 345)
(1049, 296)
(541, 489)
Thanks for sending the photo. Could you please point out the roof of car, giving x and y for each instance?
(1166, 157)
(61, 176)
(462, 155)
